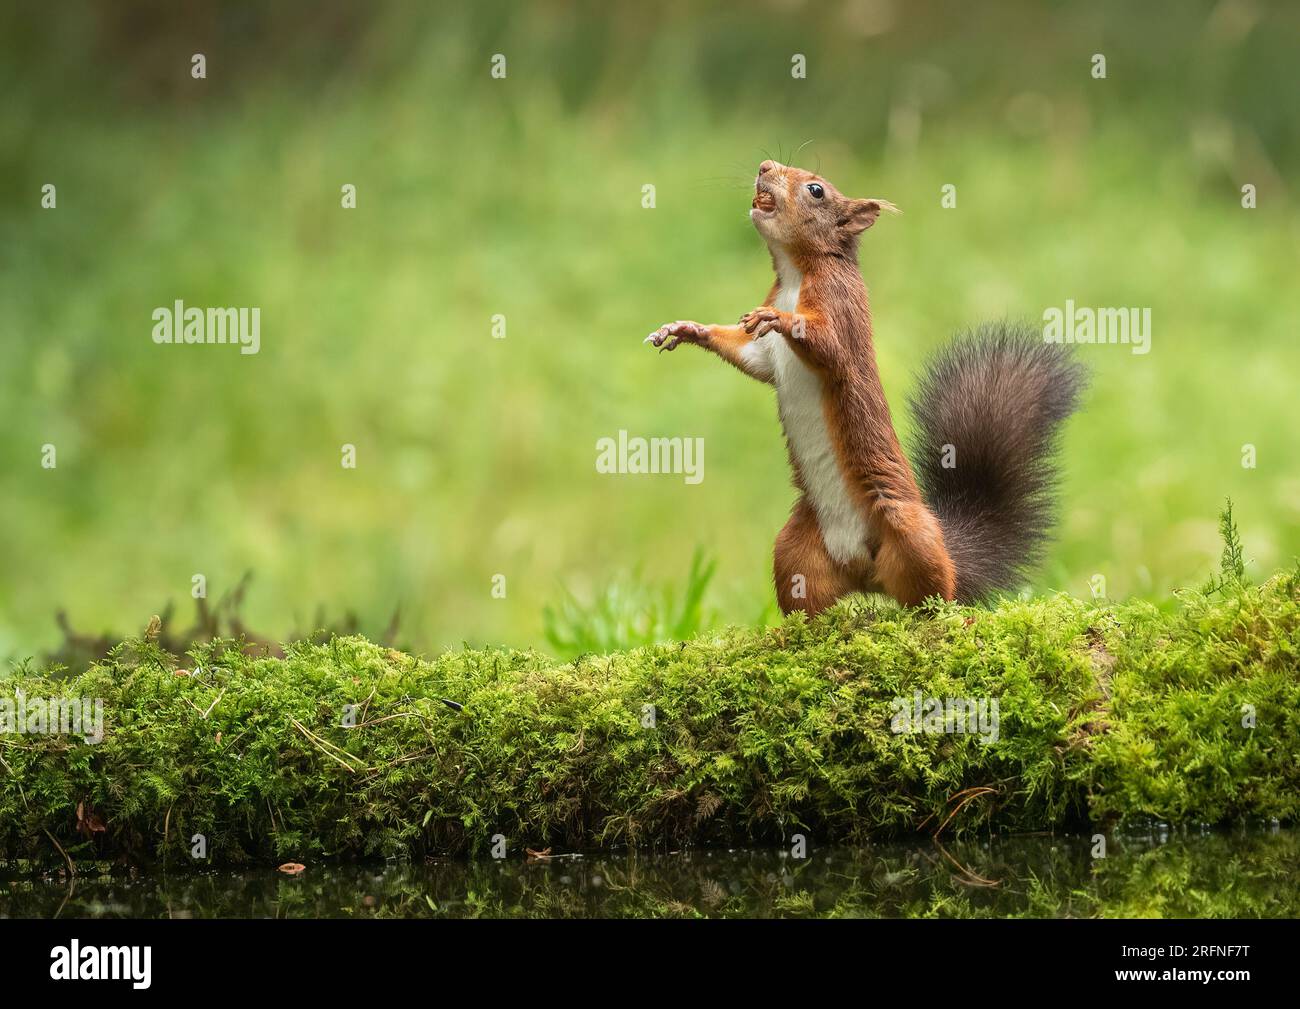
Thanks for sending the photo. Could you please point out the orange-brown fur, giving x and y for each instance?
(830, 331)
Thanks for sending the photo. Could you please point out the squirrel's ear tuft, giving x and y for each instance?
(859, 215)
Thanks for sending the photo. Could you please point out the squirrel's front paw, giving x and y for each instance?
(761, 321)
(668, 336)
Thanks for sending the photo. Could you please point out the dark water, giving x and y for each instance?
(1162, 873)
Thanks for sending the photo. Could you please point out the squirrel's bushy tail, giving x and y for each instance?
(988, 409)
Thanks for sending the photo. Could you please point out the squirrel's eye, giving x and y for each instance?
(816, 190)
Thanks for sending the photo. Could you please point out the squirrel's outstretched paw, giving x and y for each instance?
(667, 337)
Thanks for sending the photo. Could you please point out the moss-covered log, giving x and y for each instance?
(346, 749)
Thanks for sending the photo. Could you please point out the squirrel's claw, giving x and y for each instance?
(668, 337)
(750, 321)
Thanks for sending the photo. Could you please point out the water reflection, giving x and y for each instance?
(1163, 873)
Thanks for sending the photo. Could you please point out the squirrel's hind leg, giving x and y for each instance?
(912, 562)
(807, 577)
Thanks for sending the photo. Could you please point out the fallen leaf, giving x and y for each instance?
(89, 823)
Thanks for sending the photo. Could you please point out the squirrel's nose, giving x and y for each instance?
(767, 166)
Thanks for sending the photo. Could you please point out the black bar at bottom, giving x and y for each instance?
(342, 957)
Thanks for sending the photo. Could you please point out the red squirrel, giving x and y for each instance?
(988, 409)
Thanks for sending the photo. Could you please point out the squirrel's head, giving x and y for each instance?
(800, 212)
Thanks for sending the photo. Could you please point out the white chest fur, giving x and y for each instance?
(799, 400)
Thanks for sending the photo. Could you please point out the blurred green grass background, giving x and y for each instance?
(522, 197)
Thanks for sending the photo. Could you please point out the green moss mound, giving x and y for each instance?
(344, 748)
